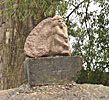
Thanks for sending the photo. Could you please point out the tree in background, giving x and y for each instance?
(89, 29)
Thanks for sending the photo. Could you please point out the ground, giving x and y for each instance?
(71, 91)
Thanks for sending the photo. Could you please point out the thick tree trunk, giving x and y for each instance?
(12, 38)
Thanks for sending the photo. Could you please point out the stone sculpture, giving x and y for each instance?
(48, 38)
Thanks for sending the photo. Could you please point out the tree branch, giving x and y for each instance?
(76, 7)
(87, 29)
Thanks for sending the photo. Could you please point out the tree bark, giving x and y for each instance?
(12, 38)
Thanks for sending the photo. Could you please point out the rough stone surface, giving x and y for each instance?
(99, 92)
(48, 38)
(71, 91)
(48, 70)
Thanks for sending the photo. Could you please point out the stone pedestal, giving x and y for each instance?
(50, 70)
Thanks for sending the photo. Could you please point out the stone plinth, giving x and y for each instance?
(49, 70)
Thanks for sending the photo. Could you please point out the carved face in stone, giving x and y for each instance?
(58, 21)
(48, 38)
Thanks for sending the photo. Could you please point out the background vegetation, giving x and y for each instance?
(88, 27)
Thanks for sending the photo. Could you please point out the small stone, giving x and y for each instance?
(70, 84)
(67, 88)
(17, 93)
(34, 88)
(63, 88)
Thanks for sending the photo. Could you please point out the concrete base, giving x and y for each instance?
(50, 70)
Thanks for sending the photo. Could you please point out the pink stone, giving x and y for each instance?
(48, 38)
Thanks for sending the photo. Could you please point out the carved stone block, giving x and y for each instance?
(49, 70)
(48, 38)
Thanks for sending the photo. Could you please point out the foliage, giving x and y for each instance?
(94, 77)
(21, 9)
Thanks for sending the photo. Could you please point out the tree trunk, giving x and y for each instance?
(12, 38)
